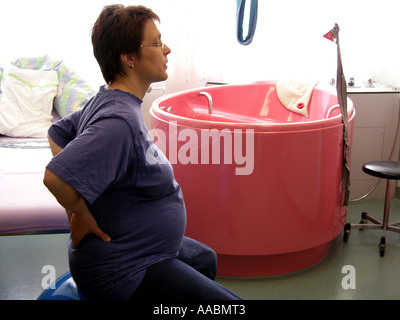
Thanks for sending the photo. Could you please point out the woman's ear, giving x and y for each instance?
(128, 60)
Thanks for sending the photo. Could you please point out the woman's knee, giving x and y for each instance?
(199, 256)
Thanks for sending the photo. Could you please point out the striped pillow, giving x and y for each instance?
(73, 91)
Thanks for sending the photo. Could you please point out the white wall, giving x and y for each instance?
(202, 35)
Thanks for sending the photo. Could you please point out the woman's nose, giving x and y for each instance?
(167, 50)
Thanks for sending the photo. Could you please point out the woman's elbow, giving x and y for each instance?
(50, 179)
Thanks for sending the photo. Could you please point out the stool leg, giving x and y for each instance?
(386, 211)
(365, 217)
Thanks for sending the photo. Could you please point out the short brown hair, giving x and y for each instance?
(118, 30)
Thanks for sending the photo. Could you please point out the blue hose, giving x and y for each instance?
(241, 4)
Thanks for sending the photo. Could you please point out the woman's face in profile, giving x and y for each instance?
(152, 66)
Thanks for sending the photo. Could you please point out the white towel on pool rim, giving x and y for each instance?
(295, 94)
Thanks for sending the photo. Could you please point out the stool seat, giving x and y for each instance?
(383, 169)
(65, 289)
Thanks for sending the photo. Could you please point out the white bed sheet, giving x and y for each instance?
(24, 155)
(26, 206)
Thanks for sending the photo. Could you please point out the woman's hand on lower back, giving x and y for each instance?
(83, 224)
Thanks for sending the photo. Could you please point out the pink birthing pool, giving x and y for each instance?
(262, 184)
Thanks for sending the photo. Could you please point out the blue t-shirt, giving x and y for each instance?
(135, 201)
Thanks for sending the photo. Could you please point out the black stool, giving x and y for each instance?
(388, 170)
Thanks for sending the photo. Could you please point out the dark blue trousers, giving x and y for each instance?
(189, 276)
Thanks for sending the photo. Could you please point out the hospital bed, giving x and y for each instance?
(26, 206)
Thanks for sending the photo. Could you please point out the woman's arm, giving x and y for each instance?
(63, 131)
(55, 148)
(81, 220)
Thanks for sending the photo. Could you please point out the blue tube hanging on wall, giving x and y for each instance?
(241, 4)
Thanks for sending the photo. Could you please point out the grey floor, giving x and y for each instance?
(22, 259)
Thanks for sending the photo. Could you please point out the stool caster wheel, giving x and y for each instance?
(346, 232)
(363, 219)
(382, 246)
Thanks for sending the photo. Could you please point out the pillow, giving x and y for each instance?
(44, 63)
(73, 91)
(27, 101)
(295, 94)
